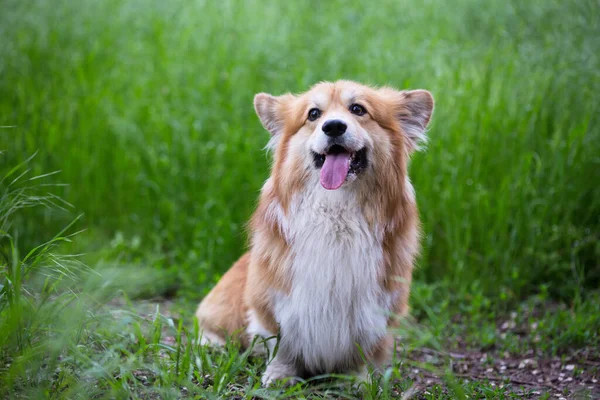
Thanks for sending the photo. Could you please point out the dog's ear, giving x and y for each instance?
(271, 110)
(414, 111)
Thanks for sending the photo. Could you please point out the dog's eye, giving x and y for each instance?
(314, 114)
(357, 109)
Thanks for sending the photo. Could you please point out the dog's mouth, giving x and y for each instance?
(337, 163)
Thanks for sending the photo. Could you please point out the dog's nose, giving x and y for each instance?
(334, 127)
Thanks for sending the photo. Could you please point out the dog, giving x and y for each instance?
(334, 238)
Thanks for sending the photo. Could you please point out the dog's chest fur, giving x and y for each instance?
(336, 301)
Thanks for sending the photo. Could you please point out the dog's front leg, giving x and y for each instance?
(279, 369)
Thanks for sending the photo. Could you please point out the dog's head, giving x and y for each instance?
(344, 133)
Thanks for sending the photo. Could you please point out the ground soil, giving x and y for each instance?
(574, 375)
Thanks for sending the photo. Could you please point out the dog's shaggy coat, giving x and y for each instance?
(335, 234)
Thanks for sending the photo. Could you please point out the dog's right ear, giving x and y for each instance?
(271, 111)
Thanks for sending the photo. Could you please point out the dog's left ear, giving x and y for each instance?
(414, 112)
(271, 111)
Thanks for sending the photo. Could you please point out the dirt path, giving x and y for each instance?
(571, 376)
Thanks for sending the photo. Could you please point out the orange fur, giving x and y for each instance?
(223, 310)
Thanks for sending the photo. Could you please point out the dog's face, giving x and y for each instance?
(344, 132)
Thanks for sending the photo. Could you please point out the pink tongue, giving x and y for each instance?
(334, 170)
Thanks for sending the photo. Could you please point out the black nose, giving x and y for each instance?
(334, 127)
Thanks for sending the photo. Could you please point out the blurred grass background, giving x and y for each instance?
(146, 109)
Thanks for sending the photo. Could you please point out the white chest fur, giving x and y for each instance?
(336, 302)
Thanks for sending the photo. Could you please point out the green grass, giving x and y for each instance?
(145, 108)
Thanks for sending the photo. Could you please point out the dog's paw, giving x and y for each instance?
(362, 378)
(208, 338)
(279, 372)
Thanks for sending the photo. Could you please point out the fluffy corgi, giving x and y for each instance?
(335, 233)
